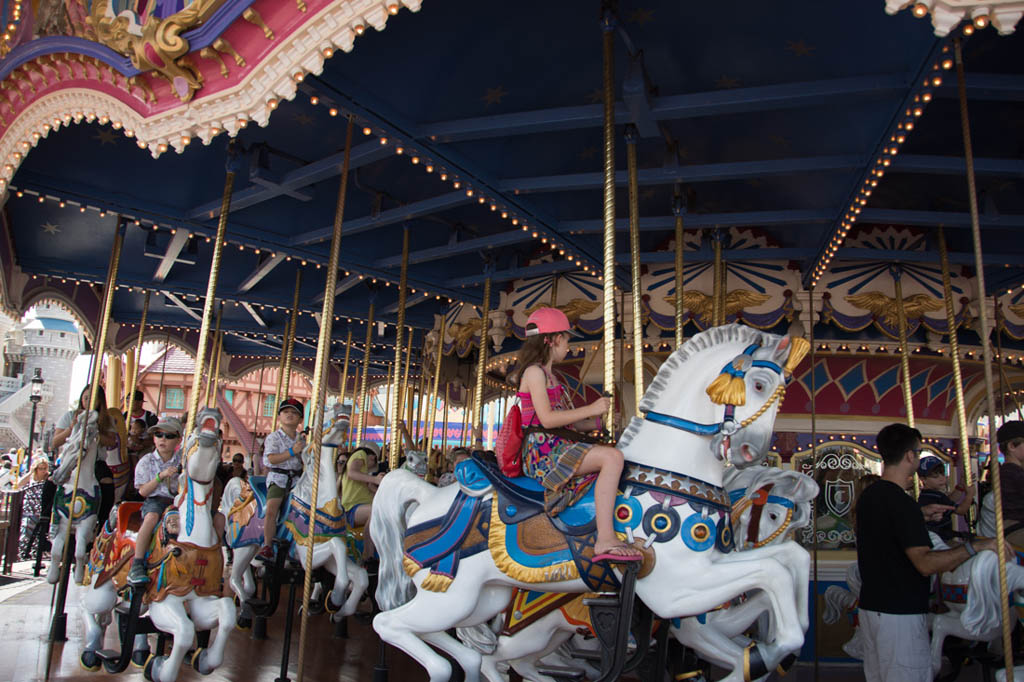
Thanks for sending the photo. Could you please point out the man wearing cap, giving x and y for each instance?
(156, 479)
(896, 558)
(282, 454)
(932, 473)
(1011, 473)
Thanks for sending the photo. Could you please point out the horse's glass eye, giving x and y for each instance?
(758, 386)
(773, 517)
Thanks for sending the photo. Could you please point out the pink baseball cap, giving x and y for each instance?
(548, 321)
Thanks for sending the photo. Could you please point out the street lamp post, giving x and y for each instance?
(35, 397)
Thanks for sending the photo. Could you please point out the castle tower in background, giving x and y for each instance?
(48, 339)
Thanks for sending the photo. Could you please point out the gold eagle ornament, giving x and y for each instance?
(736, 301)
(884, 307)
(574, 309)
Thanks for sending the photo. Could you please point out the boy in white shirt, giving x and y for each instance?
(282, 454)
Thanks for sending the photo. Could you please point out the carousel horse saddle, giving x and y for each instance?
(522, 498)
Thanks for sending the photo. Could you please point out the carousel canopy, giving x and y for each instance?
(821, 145)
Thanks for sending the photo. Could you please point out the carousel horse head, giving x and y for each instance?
(69, 452)
(336, 430)
(768, 504)
(416, 462)
(735, 377)
(202, 449)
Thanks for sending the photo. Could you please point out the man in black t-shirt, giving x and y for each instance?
(895, 558)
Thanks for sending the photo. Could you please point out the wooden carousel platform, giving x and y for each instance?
(24, 622)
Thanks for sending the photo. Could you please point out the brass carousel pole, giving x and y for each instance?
(320, 367)
(908, 398)
(280, 374)
(406, 395)
(284, 381)
(393, 414)
(211, 293)
(984, 331)
(344, 377)
(958, 383)
(608, 273)
(361, 431)
(256, 419)
(163, 371)
(634, 261)
(138, 358)
(814, 474)
(677, 209)
(444, 416)
(481, 368)
(211, 372)
(718, 290)
(421, 406)
(437, 380)
(465, 416)
(95, 366)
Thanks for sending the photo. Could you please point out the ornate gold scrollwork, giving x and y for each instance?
(160, 47)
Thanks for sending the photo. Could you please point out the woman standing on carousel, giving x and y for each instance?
(565, 468)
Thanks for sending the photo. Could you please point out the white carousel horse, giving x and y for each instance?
(87, 501)
(183, 571)
(244, 511)
(841, 600)
(971, 592)
(768, 505)
(714, 399)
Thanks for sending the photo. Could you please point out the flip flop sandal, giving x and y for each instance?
(615, 558)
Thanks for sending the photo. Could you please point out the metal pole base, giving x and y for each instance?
(259, 628)
(59, 629)
(380, 671)
(341, 629)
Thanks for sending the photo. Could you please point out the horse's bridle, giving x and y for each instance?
(738, 368)
(758, 500)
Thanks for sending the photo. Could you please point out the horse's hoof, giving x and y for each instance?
(328, 607)
(140, 657)
(147, 670)
(198, 662)
(243, 622)
(753, 663)
(786, 664)
(90, 661)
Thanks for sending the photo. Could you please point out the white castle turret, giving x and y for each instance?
(47, 339)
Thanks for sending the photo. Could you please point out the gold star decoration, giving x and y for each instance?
(799, 48)
(50, 228)
(494, 95)
(641, 16)
(725, 82)
(106, 137)
(303, 120)
(596, 96)
(588, 153)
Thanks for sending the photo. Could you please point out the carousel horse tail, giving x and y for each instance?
(397, 497)
(982, 612)
(837, 602)
(482, 637)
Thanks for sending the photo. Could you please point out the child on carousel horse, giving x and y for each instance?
(282, 454)
(564, 467)
(156, 479)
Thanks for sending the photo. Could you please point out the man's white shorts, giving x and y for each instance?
(896, 647)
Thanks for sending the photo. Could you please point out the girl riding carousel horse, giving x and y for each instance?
(565, 468)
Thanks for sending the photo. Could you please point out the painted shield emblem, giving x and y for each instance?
(838, 496)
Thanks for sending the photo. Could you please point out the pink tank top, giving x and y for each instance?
(526, 401)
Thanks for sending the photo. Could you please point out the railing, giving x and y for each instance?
(10, 527)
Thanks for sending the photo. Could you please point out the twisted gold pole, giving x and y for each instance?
(95, 367)
(958, 383)
(361, 431)
(393, 413)
(320, 367)
(421, 406)
(634, 262)
(344, 384)
(908, 398)
(481, 367)
(718, 288)
(437, 380)
(288, 347)
(211, 297)
(985, 332)
(677, 208)
(608, 91)
(280, 374)
(211, 372)
(138, 358)
(814, 468)
(444, 425)
(406, 396)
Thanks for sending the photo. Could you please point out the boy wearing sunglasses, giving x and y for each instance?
(156, 479)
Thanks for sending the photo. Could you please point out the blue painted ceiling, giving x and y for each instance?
(751, 107)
